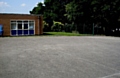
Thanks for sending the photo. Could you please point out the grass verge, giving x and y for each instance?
(63, 34)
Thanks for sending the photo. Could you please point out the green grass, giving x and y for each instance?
(63, 34)
(55, 34)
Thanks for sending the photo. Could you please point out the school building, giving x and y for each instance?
(21, 24)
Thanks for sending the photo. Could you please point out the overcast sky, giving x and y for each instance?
(17, 6)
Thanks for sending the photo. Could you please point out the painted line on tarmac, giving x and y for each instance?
(111, 75)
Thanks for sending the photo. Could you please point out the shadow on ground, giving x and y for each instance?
(47, 34)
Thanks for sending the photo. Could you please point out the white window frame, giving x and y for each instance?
(22, 27)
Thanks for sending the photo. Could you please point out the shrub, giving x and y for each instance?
(68, 27)
(45, 26)
(57, 26)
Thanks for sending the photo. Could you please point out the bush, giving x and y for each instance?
(45, 26)
(57, 26)
(68, 27)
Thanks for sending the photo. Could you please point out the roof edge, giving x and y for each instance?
(20, 14)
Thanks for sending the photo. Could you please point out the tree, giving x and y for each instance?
(39, 9)
(78, 13)
(56, 9)
(81, 13)
(86, 12)
(52, 10)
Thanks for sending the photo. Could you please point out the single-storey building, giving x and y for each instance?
(21, 24)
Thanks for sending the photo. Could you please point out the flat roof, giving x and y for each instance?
(20, 14)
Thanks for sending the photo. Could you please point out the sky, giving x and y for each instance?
(18, 6)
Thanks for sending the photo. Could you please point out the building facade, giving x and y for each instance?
(21, 24)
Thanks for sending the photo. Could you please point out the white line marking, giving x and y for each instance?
(89, 61)
(98, 64)
(111, 75)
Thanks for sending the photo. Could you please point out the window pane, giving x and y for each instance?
(13, 26)
(25, 26)
(31, 22)
(31, 27)
(19, 26)
(31, 32)
(20, 32)
(25, 22)
(20, 22)
(25, 32)
(13, 32)
(13, 21)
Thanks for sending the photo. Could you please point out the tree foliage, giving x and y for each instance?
(81, 13)
(39, 9)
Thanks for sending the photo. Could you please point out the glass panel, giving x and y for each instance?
(31, 22)
(13, 32)
(25, 22)
(25, 32)
(25, 26)
(19, 26)
(31, 25)
(20, 22)
(20, 32)
(13, 26)
(31, 32)
(13, 21)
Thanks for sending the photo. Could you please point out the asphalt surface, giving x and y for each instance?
(60, 57)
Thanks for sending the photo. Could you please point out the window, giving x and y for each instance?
(22, 27)
(19, 26)
(13, 26)
(25, 26)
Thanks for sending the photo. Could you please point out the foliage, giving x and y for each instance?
(95, 11)
(80, 14)
(39, 9)
(45, 26)
(57, 26)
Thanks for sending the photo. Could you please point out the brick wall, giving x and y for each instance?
(5, 20)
